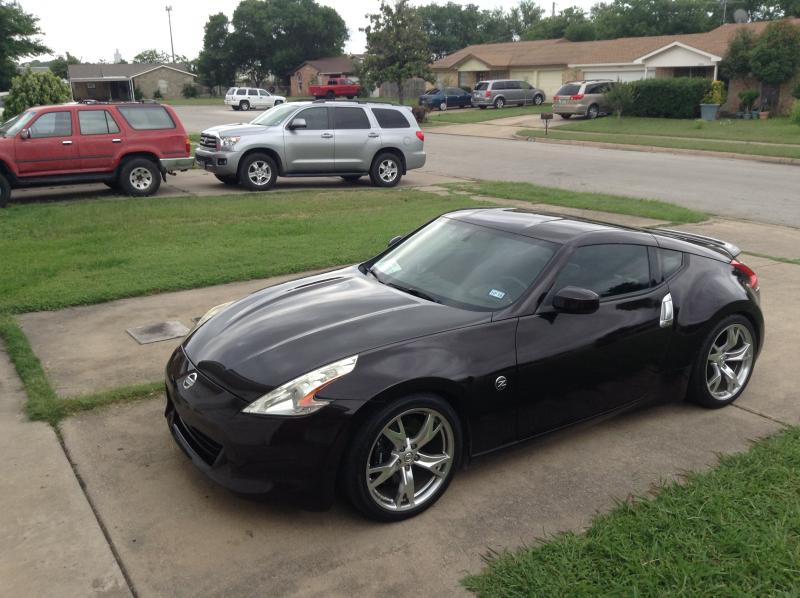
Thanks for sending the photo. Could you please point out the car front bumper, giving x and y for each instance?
(221, 163)
(251, 454)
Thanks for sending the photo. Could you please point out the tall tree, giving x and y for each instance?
(60, 65)
(572, 23)
(35, 89)
(775, 57)
(18, 39)
(632, 18)
(215, 63)
(152, 56)
(396, 48)
(524, 17)
(736, 62)
(450, 27)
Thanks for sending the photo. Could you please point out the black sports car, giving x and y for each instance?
(483, 328)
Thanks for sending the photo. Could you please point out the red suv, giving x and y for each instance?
(127, 146)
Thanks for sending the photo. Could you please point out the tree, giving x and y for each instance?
(215, 64)
(524, 17)
(572, 19)
(60, 65)
(18, 31)
(397, 48)
(621, 97)
(736, 62)
(450, 27)
(633, 18)
(775, 57)
(35, 89)
(152, 56)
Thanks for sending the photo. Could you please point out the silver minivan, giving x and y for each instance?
(583, 98)
(501, 92)
(349, 139)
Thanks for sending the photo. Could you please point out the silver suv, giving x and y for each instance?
(583, 98)
(320, 138)
(502, 92)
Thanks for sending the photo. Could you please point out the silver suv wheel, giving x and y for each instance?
(259, 172)
(388, 169)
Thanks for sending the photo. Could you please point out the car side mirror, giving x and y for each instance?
(574, 300)
(25, 134)
(298, 123)
(394, 241)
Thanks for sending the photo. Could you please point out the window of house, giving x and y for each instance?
(96, 122)
(608, 270)
(52, 124)
(350, 118)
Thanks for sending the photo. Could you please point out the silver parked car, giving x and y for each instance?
(502, 92)
(582, 98)
(349, 139)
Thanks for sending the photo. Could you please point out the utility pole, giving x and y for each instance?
(554, 9)
(724, 10)
(171, 44)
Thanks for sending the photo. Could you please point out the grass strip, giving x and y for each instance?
(615, 204)
(476, 115)
(708, 145)
(731, 531)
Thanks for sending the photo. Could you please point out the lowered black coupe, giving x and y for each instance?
(483, 328)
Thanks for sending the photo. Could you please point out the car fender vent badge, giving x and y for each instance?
(500, 383)
(189, 381)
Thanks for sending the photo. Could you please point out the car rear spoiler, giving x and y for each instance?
(728, 249)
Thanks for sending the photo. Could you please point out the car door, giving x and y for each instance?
(99, 141)
(310, 149)
(514, 92)
(265, 99)
(577, 365)
(527, 92)
(50, 148)
(357, 140)
(451, 97)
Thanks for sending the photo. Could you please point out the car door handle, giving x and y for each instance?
(667, 311)
(373, 134)
(66, 143)
(326, 135)
(116, 141)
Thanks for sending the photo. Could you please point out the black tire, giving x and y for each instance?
(381, 169)
(139, 177)
(367, 437)
(235, 108)
(228, 180)
(499, 103)
(698, 391)
(5, 191)
(113, 185)
(565, 116)
(593, 112)
(252, 161)
(350, 97)
(244, 105)
(330, 95)
(538, 100)
(482, 107)
(352, 178)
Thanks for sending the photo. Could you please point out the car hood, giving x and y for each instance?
(235, 129)
(282, 332)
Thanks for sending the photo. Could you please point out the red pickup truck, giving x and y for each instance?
(334, 88)
(128, 146)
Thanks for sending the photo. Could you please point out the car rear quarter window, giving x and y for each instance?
(241, 92)
(568, 90)
(147, 118)
(481, 86)
(350, 118)
(608, 270)
(52, 124)
(96, 122)
(390, 119)
(671, 261)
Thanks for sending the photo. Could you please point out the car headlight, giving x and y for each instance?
(298, 397)
(226, 144)
(211, 313)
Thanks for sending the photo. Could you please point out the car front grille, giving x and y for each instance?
(206, 448)
(208, 141)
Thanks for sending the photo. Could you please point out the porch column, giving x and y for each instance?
(130, 85)
(716, 69)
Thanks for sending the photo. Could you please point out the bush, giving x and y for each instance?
(138, 94)
(621, 97)
(796, 112)
(717, 94)
(748, 97)
(775, 57)
(189, 91)
(35, 89)
(669, 98)
(157, 94)
(420, 113)
(796, 92)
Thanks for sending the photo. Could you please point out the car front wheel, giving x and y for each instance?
(139, 177)
(258, 172)
(593, 112)
(402, 459)
(537, 100)
(5, 191)
(386, 170)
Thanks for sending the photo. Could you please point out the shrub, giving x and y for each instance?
(748, 97)
(669, 98)
(157, 94)
(138, 94)
(35, 89)
(717, 94)
(796, 92)
(420, 113)
(466, 88)
(796, 112)
(775, 57)
(189, 91)
(621, 97)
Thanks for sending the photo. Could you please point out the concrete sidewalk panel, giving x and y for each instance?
(180, 535)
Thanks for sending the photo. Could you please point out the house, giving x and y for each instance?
(119, 81)
(312, 72)
(549, 63)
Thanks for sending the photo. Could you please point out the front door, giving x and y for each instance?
(310, 149)
(51, 148)
(575, 366)
(99, 142)
(356, 140)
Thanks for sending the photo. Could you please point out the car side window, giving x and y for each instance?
(526, 85)
(263, 93)
(350, 118)
(252, 92)
(671, 261)
(316, 118)
(499, 85)
(241, 92)
(514, 85)
(96, 122)
(390, 119)
(52, 124)
(608, 270)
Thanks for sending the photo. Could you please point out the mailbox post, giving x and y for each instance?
(546, 117)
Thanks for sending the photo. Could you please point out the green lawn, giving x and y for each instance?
(476, 115)
(615, 204)
(733, 531)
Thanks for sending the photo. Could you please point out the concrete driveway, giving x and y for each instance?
(196, 119)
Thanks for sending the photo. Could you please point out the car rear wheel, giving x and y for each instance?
(330, 95)
(538, 99)
(565, 116)
(235, 108)
(258, 172)
(5, 191)
(244, 105)
(228, 180)
(139, 177)
(386, 170)
(403, 457)
(593, 112)
(442, 106)
(499, 103)
(724, 364)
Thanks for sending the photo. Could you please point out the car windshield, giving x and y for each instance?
(274, 116)
(568, 90)
(431, 92)
(482, 85)
(15, 125)
(465, 265)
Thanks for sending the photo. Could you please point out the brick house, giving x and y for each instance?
(119, 81)
(313, 72)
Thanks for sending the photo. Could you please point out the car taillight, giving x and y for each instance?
(488, 93)
(750, 277)
(420, 135)
(577, 96)
(188, 146)
(556, 98)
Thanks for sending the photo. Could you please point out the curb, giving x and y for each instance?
(661, 150)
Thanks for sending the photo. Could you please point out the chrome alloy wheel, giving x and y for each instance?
(388, 170)
(259, 173)
(729, 362)
(410, 459)
(141, 179)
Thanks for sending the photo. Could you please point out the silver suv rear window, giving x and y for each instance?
(568, 90)
(147, 118)
(390, 119)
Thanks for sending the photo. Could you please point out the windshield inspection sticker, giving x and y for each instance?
(390, 267)
(496, 294)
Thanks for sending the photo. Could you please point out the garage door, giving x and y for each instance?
(549, 82)
(617, 75)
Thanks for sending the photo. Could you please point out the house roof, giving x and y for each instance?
(98, 72)
(611, 51)
(333, 64)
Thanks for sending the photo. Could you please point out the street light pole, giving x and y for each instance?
(171, 44)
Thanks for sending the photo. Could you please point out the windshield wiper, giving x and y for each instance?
(415, 292)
